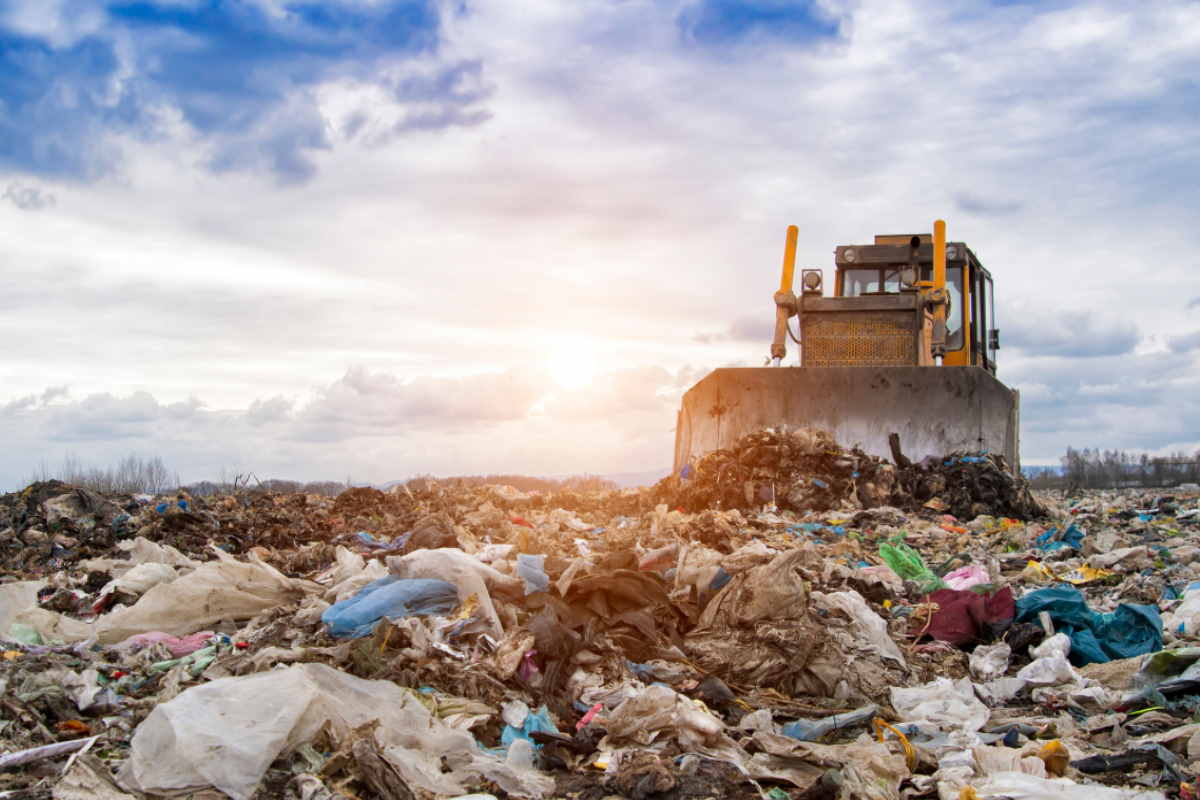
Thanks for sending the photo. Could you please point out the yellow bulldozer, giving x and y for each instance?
(900, 360)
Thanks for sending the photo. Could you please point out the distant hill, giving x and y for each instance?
(622, 480)
(627, 480)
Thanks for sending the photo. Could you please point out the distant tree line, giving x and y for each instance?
(275, 485)
(133, 474)
(1109, 469)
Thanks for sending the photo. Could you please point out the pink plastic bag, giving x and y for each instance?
(179, 646)
(966, 577)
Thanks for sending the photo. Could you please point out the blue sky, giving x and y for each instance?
(378, 238)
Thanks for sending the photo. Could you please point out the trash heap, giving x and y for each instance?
(438, 641)
(805, 469)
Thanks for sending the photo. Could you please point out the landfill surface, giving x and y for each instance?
(783, 619)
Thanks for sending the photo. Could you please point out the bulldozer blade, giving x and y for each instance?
(934, 411)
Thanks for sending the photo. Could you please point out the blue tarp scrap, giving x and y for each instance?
(815, 527)
(719, 580)
(1054, 540)
(367, 540)
(1130, 630)
(536, 721)
(950, 462)
(388, 597)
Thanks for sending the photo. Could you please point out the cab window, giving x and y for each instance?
(954, 319)
(857, 282)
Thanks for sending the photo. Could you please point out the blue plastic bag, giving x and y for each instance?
(1130, 630)
(1053, 540)
(388, 597)
(535, 721)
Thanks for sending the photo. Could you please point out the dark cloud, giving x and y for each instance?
(263, 412)
(1071, 334)
(29, 198)
(238, 74)
(985, 207)
(1128, 401)
(30, 401)
(1185, 343)
(719, 22)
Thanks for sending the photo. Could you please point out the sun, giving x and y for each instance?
(572, 366)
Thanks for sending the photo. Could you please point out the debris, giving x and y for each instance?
(1130, 630)
(774, 624)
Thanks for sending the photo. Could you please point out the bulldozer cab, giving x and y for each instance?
(899, 358)
(894, 265)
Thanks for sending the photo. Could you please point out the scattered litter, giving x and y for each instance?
(792, 619)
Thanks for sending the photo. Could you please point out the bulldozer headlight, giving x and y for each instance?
(811, 280)
(951, 252)
(849, 254)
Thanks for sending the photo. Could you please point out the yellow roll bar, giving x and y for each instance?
(939, 254)
(789, 259)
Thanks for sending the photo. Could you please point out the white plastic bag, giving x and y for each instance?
(868, 626)
(1050, 666)
(141, 579)
(215, 591)
(1187, 615)
(226, 733)
(990, 661)
(15, 598)
(943, 704)
(467, 574)
(1019, 786)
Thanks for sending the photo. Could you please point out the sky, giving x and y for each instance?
(369, 239)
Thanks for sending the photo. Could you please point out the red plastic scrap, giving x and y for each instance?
(961, 616)
(589, 716)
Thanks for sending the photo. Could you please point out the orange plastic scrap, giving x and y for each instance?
(1056, 757)
(910, 755)
(954, 528)
(73, 726)
(968, 793)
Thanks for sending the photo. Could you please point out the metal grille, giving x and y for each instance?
(859, 339)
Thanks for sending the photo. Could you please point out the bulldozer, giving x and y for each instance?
(900, 360)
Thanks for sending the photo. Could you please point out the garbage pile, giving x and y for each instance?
(439, 641)
(806, 469)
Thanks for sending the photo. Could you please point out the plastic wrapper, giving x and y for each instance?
(990, 661)
(468, 575)
(943, 704)
(908, 564)
(966, 577)
(532, 570)
(1021, 786)
(225, 734)
(141, 579)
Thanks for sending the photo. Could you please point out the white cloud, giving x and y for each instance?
(629, 189)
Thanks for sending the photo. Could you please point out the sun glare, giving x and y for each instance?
(572, 366)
